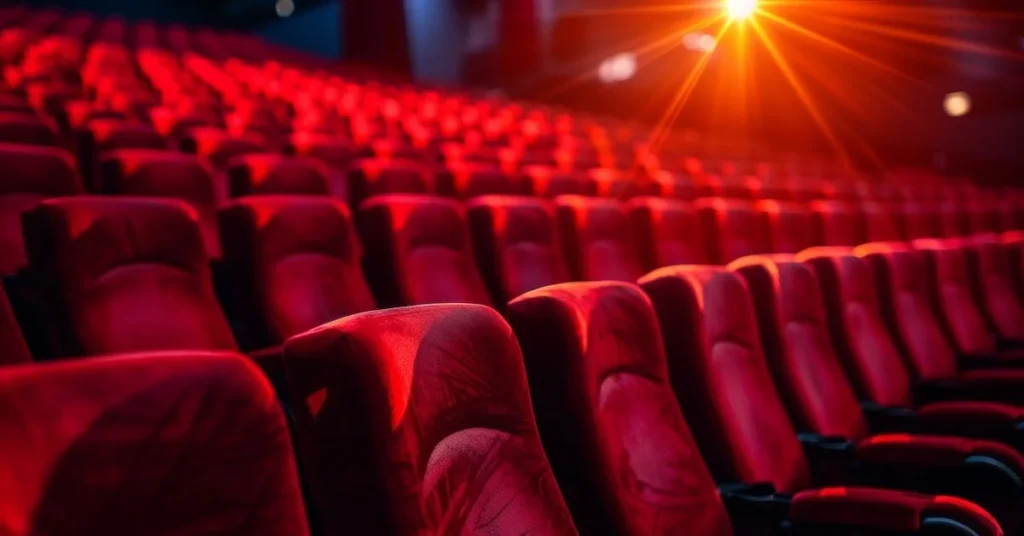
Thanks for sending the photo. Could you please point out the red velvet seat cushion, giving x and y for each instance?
(419, 419)
(893, 510)
(611, 423)
(167, 443)
(125, 275)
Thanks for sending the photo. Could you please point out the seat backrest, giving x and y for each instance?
(620, 185)
(621, 451)
(838, 223)
(30, 174)
(465, 181)
(11, 338)
(369, 177)
(672, 186)
(920, 220)
(299, 258)
(218, 147)
(721, 378)
(903, 282)
(666, 232)
(418, 251)
(332, 151)
(731, 229)
(125, 275)
(272, 174)
(596, 238)
(114, 134)
(170, 174)
(214, 442)
(540, 181)
(953, 220)
(954, 296)
(789, 224)
(794, 333)
(28, 129)
(859, 335)
(419, 419)
(993, 278)
(982, 216)
(880, 223)
(516, 245)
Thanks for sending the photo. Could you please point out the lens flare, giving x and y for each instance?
(740, 9)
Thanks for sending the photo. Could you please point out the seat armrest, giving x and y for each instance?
(830, 458)
(754, 508)
(889, 419)
(980, 420)
(826, 510)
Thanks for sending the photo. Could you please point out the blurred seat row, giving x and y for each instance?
(255, 297)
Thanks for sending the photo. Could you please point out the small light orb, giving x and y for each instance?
(957, 104)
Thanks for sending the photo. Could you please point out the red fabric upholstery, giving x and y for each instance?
(619, 185)
(418, 251)
(516, 244)
(720, 375)
(377, 176)
(920, 220)
(905, 298)
(549, 183)
(935, 451)
(600, 386)
(114, 134)
(168, 443)
(673, 186)
(125, 275)
(953, 221)
(596, 236)
(993, 279)
(154, 173)
(859, 334)
(666, 232)
(271, 174)
(887, 509)
(969, 413)
(465, 181)
(839, 223)
(740, 187)
(419, 419)
(794, 331)
(982, 216)
(955, 299)
(333, 152)
(30, 174)
(880, 224)
(731, 229)
(13, 343)
(301, 258)
(219, 147)
(790, 226)
(27, 129)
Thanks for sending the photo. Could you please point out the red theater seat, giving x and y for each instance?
(516, 244)
(920, 220)
(332, 151)
(297, 261)
(419, 419)
(839, 223)
(596, 238)
(615, 184)
(375, 176)
(124, 275)
(731, 229)
(418, 251)
(666, 232)
(549, 183)
(30, 174)
(11, 340)
(953, 220)
(153, 173)
(672, 186)
(170, 443)
(113, 134)
(271, 174)
(465, 181)
(218, 147)
(599, 384)
(27, 129)
(789, 224)
(720, 376)
(993, 278)
(880, 222)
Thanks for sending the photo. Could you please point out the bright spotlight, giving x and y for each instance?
(284, 8)
(740, 9)
(957, 104)
(617, 68)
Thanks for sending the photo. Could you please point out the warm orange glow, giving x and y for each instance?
(957, 104)
(740, 9)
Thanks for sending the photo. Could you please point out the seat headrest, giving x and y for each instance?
(614, 321)
(276, 174)
(27, 128)
(419, 220)
(150, 172)
(517, 219)
(111, 134)
(287, 225)
(598, 219)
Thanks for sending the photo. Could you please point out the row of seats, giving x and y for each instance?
(698, 373)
